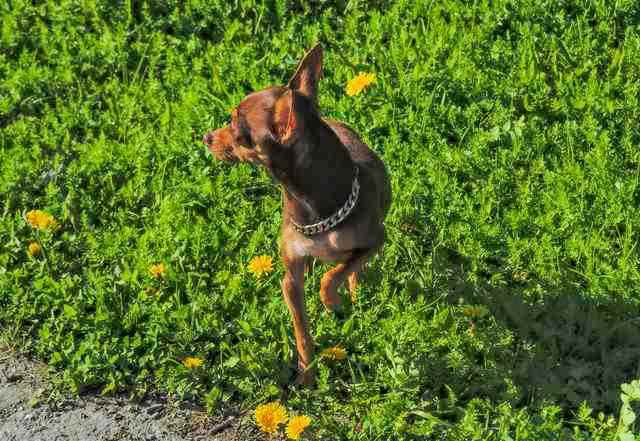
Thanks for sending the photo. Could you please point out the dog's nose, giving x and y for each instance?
(208, 138)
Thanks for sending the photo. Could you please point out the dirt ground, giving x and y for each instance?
(25, 414)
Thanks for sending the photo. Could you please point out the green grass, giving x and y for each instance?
(510, 130)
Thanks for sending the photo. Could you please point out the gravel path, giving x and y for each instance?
(25, 416)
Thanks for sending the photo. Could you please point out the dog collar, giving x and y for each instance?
(335, 218)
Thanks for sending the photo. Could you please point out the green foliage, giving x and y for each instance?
(505, 303)
(630, 393)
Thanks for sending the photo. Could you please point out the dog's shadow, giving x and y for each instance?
(574, 350)
(564, 349)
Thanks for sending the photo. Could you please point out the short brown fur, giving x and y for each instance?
(314, 160)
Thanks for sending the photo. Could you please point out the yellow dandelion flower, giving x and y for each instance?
(260, 265)
(192, 362)
(334, 353)
(357, 84)
(157, 270)
(269, 416)
(34, 249)
(296, 426)
(41, 220)
(475, 311)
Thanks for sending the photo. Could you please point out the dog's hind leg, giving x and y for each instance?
(333, 279)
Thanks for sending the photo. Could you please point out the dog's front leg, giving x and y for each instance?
(293, 291)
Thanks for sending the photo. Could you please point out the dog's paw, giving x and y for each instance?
(336, 308)
(329, 294)
(339, 314)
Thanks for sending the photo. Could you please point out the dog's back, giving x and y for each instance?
(362, 155)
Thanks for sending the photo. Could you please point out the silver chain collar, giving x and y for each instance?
(335, 218)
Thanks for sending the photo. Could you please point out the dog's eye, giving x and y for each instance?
(242, 132)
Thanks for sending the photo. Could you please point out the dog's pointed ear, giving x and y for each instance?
(307, 76)
(287, 122)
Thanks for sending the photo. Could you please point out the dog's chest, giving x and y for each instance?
(330, 247)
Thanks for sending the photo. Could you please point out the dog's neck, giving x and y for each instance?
(320, 175)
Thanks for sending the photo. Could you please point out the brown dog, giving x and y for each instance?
(336, 191)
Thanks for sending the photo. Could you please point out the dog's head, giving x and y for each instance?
(266, 124)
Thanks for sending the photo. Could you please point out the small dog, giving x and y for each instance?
(336, 191)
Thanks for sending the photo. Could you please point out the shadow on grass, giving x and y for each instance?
(571, 350)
